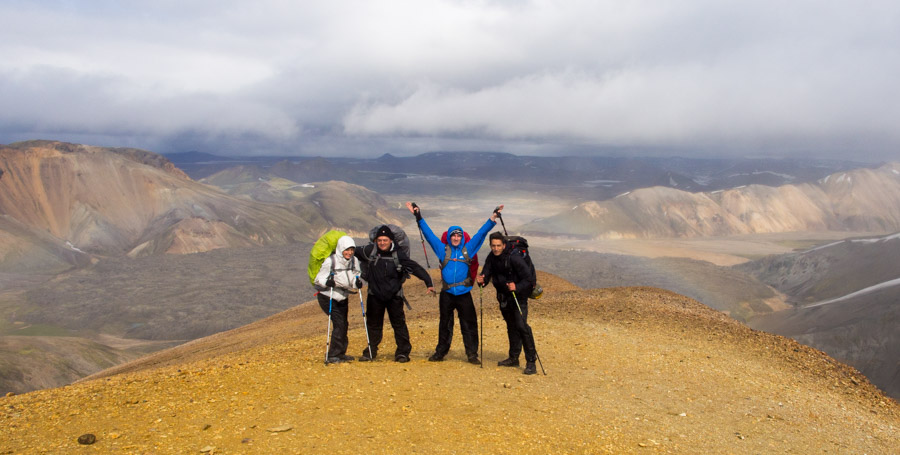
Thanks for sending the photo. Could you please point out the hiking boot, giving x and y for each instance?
(346, 358)
(436, 357)
(509, 362)
(401, 358)
(334, 360)
(529, 368)
(366, 358)
(474, 360)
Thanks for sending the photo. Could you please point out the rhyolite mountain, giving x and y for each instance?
(866, 200)
(112, 201)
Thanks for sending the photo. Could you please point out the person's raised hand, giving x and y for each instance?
(496, 213)
(414, 209)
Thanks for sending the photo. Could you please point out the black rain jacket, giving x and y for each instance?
(384, 280)
(496, 270)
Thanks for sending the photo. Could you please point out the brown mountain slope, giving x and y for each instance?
(109, 203)
(863, 200)
(126, 201)
(629, 370)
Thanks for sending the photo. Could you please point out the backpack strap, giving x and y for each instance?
(334, 259)
(447, 256)
(403, 298)
(396, 261)
(373, 259)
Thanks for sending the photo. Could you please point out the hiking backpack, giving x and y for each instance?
(519, 246)
(471, 261)
(323, 248)
(400, 238)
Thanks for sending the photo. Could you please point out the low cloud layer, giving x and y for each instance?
(363, 78)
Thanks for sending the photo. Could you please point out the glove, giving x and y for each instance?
(417, 212)
(359, 283)
(329, 283)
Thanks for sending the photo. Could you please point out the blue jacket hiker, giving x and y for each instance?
(457, 284)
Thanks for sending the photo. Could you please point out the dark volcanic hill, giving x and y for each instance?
(846, 299)
(730, 291)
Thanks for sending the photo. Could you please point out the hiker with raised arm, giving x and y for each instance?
(386, 266)
(457, 283)
(511, 273)
(337, 279)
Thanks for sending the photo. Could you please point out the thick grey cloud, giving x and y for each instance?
(360, 77)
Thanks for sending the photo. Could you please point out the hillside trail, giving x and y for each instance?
(629, 370)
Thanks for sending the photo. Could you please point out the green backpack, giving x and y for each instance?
(323, 248)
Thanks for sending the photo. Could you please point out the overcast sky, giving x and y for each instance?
(351, 78)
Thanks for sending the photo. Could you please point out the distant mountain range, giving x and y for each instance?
(584, 178)
(860, 200)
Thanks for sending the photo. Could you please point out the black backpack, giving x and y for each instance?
(517, 245)
(401, 240)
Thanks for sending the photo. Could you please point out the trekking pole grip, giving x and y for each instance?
(500, 217)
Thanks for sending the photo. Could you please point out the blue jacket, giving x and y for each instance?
(456, 272)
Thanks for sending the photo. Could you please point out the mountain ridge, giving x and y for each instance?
(635, 369)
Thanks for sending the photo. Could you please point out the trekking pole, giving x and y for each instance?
(481, 308)
(365, 323)
(532, 333)
(328, 334)
(422, 236)
(500, 217)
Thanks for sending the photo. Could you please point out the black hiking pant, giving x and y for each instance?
(339, 341)
(517, 329)
(468, 323)
(375, 309)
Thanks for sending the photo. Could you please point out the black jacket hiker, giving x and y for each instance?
(380, 270)
(512, 268)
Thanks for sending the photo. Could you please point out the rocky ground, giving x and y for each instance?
(629, 370)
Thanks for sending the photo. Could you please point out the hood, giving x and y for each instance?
(456, 228)
(344, 243)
